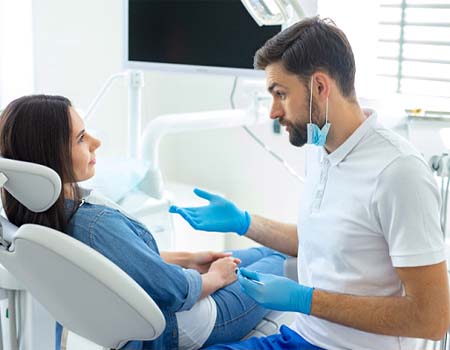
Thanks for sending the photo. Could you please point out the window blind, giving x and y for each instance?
(413, 52)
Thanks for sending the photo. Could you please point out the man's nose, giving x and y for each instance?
(276, 111)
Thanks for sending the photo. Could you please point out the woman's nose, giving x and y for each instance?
(96, 143)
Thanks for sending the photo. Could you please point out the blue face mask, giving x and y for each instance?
(315, 135)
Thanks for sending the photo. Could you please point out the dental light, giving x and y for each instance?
(273, 12)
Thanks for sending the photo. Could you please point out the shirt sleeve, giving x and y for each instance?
(117, 238)
(407, 206)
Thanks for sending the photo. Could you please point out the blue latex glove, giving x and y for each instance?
(275, 292)
(220, 215)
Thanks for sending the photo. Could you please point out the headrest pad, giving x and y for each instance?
(36, 186)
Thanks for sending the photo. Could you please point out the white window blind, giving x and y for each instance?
(413, 51)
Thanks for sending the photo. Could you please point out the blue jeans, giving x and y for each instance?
(237, 313)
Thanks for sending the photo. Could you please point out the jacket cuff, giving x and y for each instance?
(195, 288)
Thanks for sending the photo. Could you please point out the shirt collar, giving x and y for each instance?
(343, 150)
(84, 192)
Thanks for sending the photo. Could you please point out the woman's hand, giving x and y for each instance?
(201, 261)
(224, 270)
(221, 273)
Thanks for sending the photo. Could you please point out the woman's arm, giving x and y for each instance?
(113, 235)
(220, 269)
(182, 259)
(200, 261)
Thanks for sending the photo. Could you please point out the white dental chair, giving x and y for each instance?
(83, 290)
(79, 287)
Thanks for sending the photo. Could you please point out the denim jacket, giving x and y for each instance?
(129, 245)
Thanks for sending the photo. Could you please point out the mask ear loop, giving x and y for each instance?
(326, 111)
(310, 100)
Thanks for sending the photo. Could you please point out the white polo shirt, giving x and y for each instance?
(368, 207)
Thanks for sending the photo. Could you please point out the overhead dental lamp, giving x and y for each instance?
(273, 12)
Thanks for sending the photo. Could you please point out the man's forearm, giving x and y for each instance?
(276, 235)
(395, 316)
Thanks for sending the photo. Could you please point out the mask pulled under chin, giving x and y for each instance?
(317, 136)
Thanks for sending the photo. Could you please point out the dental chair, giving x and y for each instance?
(79, 287)
(88, 294)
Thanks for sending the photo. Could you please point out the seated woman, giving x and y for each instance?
(197, 292)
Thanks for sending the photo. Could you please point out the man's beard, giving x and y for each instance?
(298, 135)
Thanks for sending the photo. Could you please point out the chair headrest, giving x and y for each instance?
(36, 186)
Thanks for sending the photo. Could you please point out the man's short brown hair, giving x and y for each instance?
(311, 45)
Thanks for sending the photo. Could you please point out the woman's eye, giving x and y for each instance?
(281, 95)
(81, 139)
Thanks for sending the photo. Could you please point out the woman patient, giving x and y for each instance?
(197, 292)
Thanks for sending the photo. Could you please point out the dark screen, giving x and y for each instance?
(195, 32)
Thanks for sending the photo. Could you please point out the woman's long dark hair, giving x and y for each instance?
(38, 129)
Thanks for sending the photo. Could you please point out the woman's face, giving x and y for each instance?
(83, 148)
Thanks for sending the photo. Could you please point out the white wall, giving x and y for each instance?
(77, 46)
(16, 54)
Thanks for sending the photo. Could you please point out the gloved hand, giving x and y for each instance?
(275, 292)
(220, 215)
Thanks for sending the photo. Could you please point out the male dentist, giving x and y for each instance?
(371, 254)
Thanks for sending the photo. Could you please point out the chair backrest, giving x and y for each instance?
(83, 290)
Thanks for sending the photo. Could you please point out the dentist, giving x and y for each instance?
(371, 254)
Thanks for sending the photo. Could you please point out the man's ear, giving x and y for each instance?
(322, 85)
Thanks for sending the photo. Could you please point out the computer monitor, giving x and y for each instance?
(208, 36)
